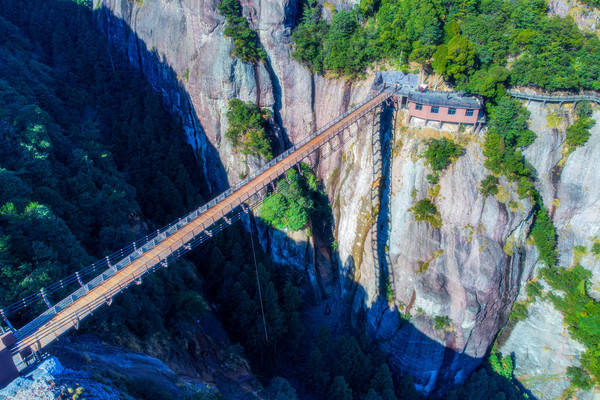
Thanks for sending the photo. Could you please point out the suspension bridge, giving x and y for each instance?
(114, 274)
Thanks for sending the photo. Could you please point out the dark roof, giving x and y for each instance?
(445, 99)
(393, 78)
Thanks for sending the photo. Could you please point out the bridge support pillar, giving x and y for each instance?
(8, 369)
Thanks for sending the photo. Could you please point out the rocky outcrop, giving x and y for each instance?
(95, 370)
(114, 374)
(466, 273)
(585, 16)
(541, 345)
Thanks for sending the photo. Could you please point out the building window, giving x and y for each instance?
(418, 107)
(452, 111)
(435, 110)
(469, 113)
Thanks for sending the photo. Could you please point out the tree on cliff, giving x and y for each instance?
(247, 130)
(246, 45)
(296, 199)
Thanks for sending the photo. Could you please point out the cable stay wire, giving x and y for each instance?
(262, 308)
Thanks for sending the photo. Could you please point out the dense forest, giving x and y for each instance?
(469, 42)
(89, 158)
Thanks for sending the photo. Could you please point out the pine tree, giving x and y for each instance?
(339, 389)
(382, 379)
(372, 395)
(317, 371)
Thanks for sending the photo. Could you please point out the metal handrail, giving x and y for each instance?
(553, 98)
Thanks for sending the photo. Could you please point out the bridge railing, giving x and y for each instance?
(554, 98)
(120, 259)
(31, 334)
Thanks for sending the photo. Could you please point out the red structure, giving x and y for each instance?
(446, 107)
(8, 370)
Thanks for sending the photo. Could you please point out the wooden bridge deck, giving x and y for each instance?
(38, 337)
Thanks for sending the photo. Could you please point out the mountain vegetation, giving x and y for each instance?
(246, 45)
(89, 157)
(297, 198)
(247, 130)
(469, 42)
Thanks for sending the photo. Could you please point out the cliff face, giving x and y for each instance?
(90, 369)
(435, 298)
(450, 288)
(586, 16)
(541, 343)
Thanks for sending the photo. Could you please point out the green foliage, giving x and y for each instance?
(489, 186)
(425, 210)
(441, 153)
(88, 154)
(248, 129)
(579, 378)
(534, 289)
(502, 366)
(291, 207)
(596, 248)
(364, 372)
(579, 132)
(508, 118)
(338, 56)
(442, 323)
(309, 37)
(339, 389)
(544, 235)
(246, 45)
(508, 131)
(581, 313)
(460, 58)
(583, 109)
(485, 384)
(280, 389)
(469, 42)
(234, 290)
(368, 7)
(488, 82)
(389, 290)
(519, 312)
(433, 178)
(595, 3)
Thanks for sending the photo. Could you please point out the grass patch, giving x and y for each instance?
(442, 323)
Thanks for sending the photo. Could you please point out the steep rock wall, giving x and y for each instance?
(541, 344)
(468, 270)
